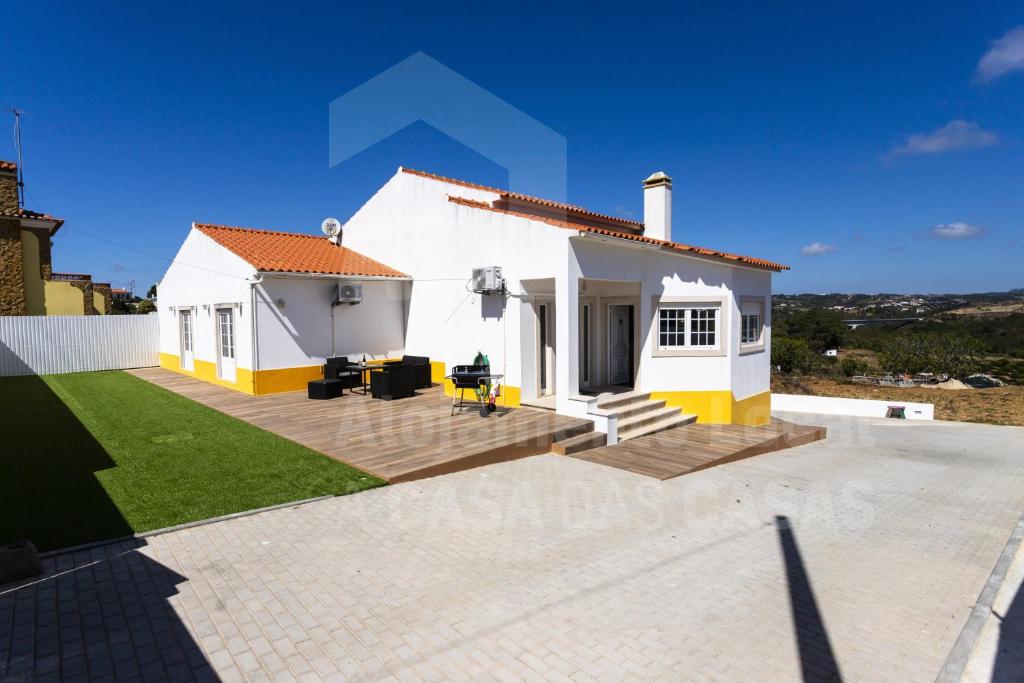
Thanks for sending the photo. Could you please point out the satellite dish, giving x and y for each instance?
(331, 227)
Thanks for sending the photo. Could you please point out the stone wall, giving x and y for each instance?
(8, 190)
(12, 289)
(12, 292)
(103, 298)
(86, 287)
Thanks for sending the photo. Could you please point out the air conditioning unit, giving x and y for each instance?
(349, 293)
(488, 280)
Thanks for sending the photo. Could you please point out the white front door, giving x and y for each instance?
(620, 352)
(185, 332)
(226, 344)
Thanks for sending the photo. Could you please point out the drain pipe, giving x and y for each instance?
(254, 320)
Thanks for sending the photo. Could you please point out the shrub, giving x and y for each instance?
(942, 354)
(851, 366)
(793, 355)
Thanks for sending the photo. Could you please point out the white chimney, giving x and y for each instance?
(658, 207)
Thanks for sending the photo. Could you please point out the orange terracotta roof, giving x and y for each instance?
(287, 252)
(8, 165)
(671, 246)
(506, 194)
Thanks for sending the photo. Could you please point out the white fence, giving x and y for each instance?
(830, 405)
(41, 345)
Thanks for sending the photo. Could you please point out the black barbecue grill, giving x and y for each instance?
(470, 377)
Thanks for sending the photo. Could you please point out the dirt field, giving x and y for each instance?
(1003, 405)
(991, 309)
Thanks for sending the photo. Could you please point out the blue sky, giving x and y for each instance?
(871, 147)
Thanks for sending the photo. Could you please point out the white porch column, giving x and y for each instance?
(567, 324)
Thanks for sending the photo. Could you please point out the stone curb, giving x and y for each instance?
(179, 527)
(952, 670)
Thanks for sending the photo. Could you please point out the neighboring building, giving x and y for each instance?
(28, 285)
(119, 294)
(589, 302)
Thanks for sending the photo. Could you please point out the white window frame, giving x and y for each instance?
(689, 304)
(746, 303)
(231, 334)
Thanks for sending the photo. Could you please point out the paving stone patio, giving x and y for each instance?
(861, 555)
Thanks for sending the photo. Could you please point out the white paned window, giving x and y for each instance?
(688, 326)
(751, 323)
(226, 323)
(186, 330)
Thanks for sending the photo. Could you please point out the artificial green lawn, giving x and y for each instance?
(91, 456)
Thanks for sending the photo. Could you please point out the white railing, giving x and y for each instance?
(41, 345)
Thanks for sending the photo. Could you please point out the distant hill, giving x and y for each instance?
(906, 305)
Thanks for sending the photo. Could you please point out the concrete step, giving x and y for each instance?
(610, 401)
(580, 442)
(668, 422)
(636, 408)
(646, 417)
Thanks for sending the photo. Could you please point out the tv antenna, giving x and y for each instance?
(21, 165)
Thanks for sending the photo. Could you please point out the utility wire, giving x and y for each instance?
(79, 231)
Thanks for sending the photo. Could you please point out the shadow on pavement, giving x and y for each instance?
(817, 660)
(1009, 664)
(101, 613)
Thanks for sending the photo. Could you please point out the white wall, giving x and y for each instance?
(829, 405)
(409, 224)
(294, 320)
(751, 372)
(668, 275)
(205, 274)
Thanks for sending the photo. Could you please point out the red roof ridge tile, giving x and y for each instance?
(262, 231)
(676, 246)
(522, 197)
(8, 165)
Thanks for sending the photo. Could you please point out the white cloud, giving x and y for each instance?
(1005, 56)
(817, 249)
(956, 231)
(955, 135)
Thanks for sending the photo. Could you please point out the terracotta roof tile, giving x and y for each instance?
(33, 215)
(608, 232)
(8, 165)
(506, 194)
(672, 246)
(288, 252)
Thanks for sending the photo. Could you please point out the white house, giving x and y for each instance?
(589, 301)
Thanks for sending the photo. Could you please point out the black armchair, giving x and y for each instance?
(340, 368)
(393, 381)
(421, 370)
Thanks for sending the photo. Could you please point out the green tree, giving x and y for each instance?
(151, 292)
(793, 355)
(851, 366)
(942, 354)
(822, 330)
(145, 306)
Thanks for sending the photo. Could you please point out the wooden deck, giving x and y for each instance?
(403, 440)
(694, 447)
